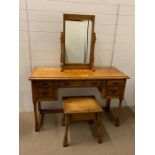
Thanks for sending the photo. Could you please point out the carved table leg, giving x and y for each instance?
(65, 141)
(37, 123)
(98, 129)
(108, 104)
(117, 121)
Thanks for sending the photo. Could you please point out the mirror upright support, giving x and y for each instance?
(62, 51)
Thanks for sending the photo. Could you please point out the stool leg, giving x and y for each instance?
(65, 141)
(98, 129)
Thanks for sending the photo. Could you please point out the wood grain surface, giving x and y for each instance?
(55, 73)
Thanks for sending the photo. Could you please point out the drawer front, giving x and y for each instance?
(47, 94)
(113, 92)
(74, 83)
(44, 84)
(114, 83)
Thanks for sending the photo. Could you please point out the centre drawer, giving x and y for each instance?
(76, 83)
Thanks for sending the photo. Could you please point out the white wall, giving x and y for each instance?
(42, 46)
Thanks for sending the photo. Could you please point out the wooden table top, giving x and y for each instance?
(49, 73)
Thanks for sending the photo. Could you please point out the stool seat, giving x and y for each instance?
(81, 108)
(81, 105)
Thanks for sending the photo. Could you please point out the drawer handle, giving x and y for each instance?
(45, 84)
(45, 93)
(115, 83)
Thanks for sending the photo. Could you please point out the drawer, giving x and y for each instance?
(114, 83)
(113, 92)
(84, 83)
(47, 94)
(44, 84)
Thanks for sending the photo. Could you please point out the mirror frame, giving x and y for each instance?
(90, 65)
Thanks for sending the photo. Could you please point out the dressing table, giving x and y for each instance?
(77, 70)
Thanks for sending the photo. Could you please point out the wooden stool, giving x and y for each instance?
(81, 108)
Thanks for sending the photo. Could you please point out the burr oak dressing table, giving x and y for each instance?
(77, 70)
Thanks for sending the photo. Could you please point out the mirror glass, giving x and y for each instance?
(78, 36)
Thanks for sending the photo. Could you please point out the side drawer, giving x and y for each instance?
(76, 83)
(47, 94)
(115, 92)
(44, 84)
(113, 83)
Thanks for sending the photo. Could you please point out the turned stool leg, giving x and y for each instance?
(98, 129)
(65, 141)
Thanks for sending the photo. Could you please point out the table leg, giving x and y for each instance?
(63, 120)
(37, 123)
(40, 114)
(108, 104)
(117, 121)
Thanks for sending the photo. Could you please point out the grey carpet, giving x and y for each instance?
(82, 140)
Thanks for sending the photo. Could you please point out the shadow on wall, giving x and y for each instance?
(77, 92)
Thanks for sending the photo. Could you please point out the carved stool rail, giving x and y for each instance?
(81, 108)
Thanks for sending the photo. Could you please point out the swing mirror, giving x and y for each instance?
(77, 42)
